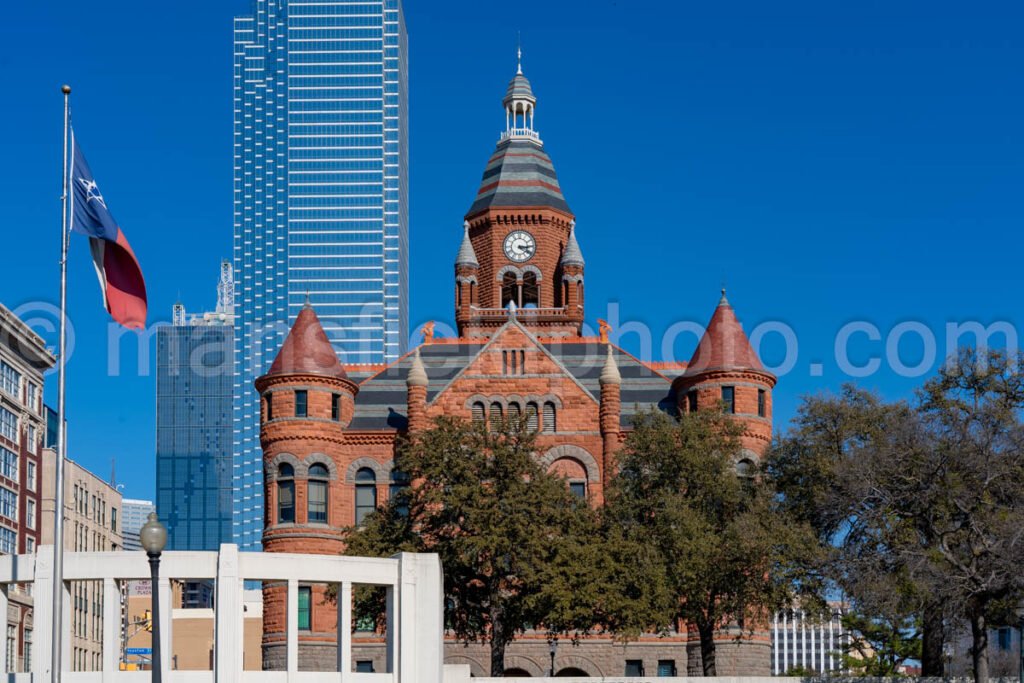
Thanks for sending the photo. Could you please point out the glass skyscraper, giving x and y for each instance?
(194, 410)
(321, 197)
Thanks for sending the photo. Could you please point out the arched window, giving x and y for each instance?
(550, 419)
(317, 511)
(745, 468)
(285, 494)
(579, 293)
(472, 293)
(496, 416)
(515, 413)
(509, 289)
(531, 416)
(366, 493)
(531, 291)
(269, 400)
(479, 412)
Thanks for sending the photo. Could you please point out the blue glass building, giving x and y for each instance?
(320, 196)
(194, 409)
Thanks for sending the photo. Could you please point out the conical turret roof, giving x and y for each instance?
(572, 256)
(724, 345)
(467, 256)
(307, 350)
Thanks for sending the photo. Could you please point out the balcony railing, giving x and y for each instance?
(414, 598)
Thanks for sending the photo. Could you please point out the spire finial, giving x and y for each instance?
(519, 53)
(723, 301)
(307, 303)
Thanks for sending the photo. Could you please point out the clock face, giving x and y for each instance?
(520, 246)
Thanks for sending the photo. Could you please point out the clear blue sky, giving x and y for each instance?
(832, 162)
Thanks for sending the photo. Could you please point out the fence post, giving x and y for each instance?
(420, 619)
(42, 611)
(229, 618)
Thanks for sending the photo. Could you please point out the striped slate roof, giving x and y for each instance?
(381, 401)
(519, 173)
(518, 89)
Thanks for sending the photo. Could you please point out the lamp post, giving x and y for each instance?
(1020, 639)
(153, 537)
(553, 650)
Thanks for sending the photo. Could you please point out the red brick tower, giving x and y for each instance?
(725, 369)
(519, 232)
(307, 400)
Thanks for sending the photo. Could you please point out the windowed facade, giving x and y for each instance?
(8, 504)
(9, 464)
(10, 380)
(366, 494)
(320, 115)
(8, 425)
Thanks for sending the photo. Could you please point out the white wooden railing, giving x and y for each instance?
(415, 611)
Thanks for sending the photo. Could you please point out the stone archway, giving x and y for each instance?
(572, 671)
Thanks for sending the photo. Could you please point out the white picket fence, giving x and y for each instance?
(415, 635)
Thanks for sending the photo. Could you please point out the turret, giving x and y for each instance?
(416, 385)
(572, 273)
(610, 410)
(307, 400)
(467, 268)
(725, 371)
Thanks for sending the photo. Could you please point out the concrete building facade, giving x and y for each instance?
(24, 359)
(329, 431)
(92, 510)
(133, 515)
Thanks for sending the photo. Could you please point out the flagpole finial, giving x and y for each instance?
(66, 89)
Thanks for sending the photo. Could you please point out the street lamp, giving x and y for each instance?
(1020, 639)
(553, 650)
(153, 537)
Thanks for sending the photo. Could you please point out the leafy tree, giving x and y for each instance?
(878, 647)
(822, 469)
(924, 507)
(517, 547)
(725, 554)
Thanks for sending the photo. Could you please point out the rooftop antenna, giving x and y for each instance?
(519, 53)
(113, 473)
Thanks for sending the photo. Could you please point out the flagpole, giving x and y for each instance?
(57, 640)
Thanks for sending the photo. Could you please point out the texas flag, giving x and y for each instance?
(124, 290)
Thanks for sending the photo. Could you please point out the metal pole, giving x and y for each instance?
(56, 641)
(154, 572)
(1020, 648)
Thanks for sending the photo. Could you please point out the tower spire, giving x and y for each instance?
(519, 54)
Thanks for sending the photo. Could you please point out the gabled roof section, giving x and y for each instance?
(307, 350)
(519, 174)
(724, 345)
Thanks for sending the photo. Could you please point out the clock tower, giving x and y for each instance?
(519, 253)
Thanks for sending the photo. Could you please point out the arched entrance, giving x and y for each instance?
(520, 673)
(571, 671)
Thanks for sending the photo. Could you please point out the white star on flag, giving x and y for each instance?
(92, 191)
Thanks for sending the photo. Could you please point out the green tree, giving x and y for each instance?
(518, 548)
(726, 556)
(878, 647)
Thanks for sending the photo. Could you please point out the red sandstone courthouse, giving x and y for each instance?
(329, 432)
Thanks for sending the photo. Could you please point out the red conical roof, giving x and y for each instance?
(724, 345)
(307, 350)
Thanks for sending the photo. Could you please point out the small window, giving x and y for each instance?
(479, 412)
(285, 494)
(550, 419)
(269, 400)
(301, 403)
(317, 511)
(666, 668)
(691, 401)
(578, 489)
(496, 416)
(522, 362)
(399, 483)
(335, 407)
(634, 667)
(366, 494)
(305, 608)
(745, 468)
(364, 666)
(531, 416)
(761, 403)
(729, 399)
(1005, 639)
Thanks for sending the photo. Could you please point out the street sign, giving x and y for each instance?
(138, 650)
